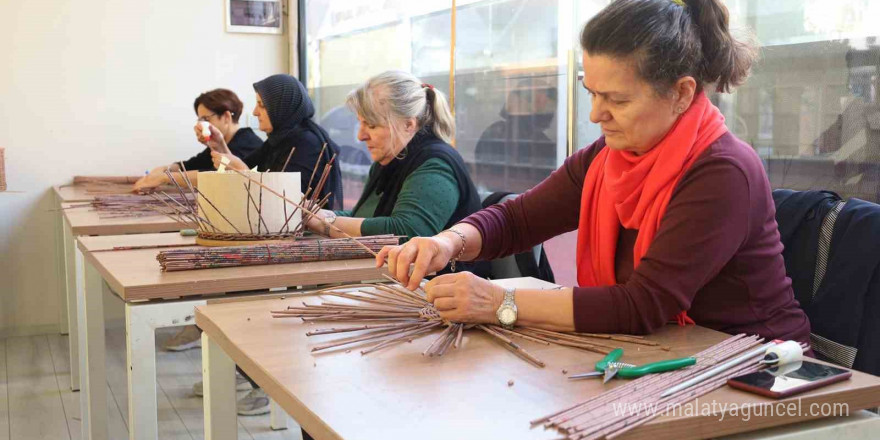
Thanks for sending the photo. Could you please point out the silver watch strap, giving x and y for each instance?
(509, 293)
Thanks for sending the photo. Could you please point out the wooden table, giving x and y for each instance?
(66, 253)
(77, 221)
(74, 193)
(84, 191)
(155, 299)
(398, 393)
(65, 194)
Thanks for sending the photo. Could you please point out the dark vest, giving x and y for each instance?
(387, 181)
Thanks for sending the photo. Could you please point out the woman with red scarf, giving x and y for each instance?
(674, 214)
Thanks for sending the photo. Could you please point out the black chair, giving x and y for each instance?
(532, 263)
(832, 255)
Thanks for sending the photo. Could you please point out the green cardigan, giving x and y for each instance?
(426, 202)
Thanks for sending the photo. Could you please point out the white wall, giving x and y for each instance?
(101, 87)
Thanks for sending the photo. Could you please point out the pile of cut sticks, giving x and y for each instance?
(601, 418)
(136, 205)
(302, 250)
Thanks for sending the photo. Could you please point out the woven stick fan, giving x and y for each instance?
(377, 316)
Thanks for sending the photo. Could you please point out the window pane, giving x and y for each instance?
(810, 108)
(586, 132)
(347, 42)
(507, 83)
(507, 79)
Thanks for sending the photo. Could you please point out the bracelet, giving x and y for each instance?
(461, 252)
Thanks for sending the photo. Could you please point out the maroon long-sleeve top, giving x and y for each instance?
(717, 253)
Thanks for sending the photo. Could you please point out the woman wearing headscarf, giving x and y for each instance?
(285, 111)
(222, 109)
(674, 214)
(418, 183)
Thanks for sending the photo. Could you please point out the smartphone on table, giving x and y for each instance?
(788, 380)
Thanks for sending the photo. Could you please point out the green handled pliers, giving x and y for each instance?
(609, 367)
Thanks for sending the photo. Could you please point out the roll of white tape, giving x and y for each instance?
(786, 352)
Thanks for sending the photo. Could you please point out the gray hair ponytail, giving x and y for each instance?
(391, 97)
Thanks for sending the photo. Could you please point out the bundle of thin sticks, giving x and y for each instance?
(601, 417)
(77, 180)
(276, 253)
(108, 184)
(387, 314)
(136, 205)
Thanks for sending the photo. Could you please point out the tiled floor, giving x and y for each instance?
(36, 402)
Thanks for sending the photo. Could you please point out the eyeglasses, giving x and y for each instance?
(205, 118)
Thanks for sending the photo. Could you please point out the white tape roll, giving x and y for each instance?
(787, 352)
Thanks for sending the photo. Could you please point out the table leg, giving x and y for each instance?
(140, 345)
(61, 274)
(141, 322)
(278, 419)
(73, 271)
(93, 374)
(218, 376)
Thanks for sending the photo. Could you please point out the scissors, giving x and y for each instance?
(609, 367)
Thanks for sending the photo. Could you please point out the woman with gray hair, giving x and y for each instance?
(418, 184)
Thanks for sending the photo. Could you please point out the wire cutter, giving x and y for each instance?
(609, 367)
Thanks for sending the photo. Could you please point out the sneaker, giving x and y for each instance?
(241, 384)
(188, 337)
(253, 404)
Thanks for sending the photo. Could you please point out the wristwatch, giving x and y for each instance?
(506, 314)
(331, 217)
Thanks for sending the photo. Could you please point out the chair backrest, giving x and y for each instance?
(831, 255)
(805, 228)
(532, 263)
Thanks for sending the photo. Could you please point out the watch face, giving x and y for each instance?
(507, 315)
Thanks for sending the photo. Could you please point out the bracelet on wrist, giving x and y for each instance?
(460, 252)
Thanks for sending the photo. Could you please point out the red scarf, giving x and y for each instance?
(622, 188)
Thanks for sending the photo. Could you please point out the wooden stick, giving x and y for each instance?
(289, 155)
(442, 336)
(247, 205)
(400, 338)
(354, 339)
(460, 334)
(519, 351)
(315, 169)
(328, 331)
(520, 335)
(621, 338)
(260, 208)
